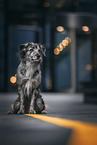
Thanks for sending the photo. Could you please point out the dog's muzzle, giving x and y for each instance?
(36, 58)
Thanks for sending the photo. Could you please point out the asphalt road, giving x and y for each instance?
(27, 130)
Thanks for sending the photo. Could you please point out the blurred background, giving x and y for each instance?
(68, 29)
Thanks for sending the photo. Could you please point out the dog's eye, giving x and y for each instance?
(39, 51)
(31, 50)
(33, 47)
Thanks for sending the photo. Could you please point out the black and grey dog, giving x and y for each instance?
(28, 80)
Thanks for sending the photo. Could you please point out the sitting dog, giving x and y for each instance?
(28, 80)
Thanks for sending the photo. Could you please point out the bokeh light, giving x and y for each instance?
(46, 4)
(85, 28)
(64, 42)
(60, 29)
(89, 67)
(68, 39)
(13, 79)
(56, 51)
(60, 47)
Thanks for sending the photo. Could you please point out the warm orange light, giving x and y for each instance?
(85, 28)
(68, 39)
(13, 79)
(89, 67)
(46, 105)
(60, 29)
(46, 4)
(56, 51)
(12, 106)
(64, 43)
(60, 47)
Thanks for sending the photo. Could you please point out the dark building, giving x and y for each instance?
(71, 56)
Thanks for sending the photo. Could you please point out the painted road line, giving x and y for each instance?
(83, 133)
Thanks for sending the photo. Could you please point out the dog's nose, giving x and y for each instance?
(38, 56)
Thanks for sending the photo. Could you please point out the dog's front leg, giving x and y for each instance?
(21, 110)
(31, 109)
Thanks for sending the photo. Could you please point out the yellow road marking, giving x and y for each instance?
(83, 133)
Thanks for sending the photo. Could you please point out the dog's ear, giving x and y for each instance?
(21, 46)
(43, 49)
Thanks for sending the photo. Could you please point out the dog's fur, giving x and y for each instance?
(28, 80)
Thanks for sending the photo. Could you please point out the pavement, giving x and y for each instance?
(69, 121)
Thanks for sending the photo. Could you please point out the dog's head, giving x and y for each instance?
(32, 51)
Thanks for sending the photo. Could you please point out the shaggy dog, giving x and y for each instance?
(28, 80)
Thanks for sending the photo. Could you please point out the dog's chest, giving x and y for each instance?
(31, 68)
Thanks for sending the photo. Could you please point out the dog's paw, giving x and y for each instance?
(43, 112)
(31, 111)
(21, 111)
(10, 112)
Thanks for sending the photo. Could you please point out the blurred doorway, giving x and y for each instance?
(74, 59)
(86, 57)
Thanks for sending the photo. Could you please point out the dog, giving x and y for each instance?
(29, 79)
